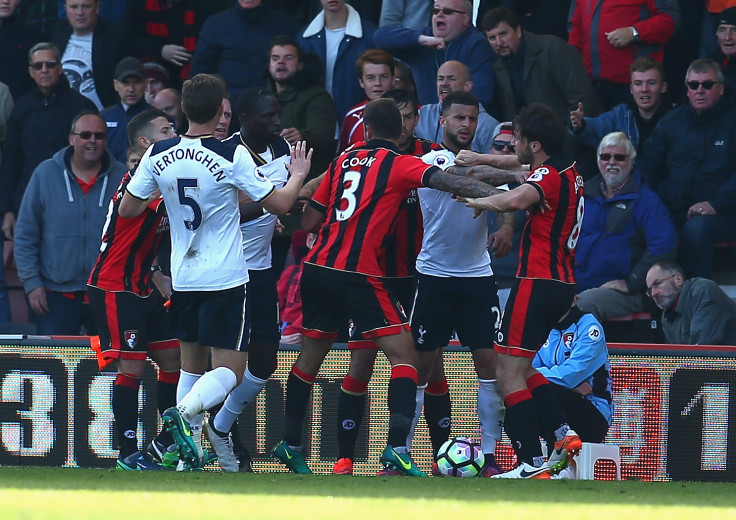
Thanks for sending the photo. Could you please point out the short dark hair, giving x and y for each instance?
(80, 115)
(376, 57)
(537, 122)
(402, 98)
(202, 97)
(249, 100)
(494, 17)
(382, 116)
(459, 97)
(140, 122)
(281, 40)
(670, 267)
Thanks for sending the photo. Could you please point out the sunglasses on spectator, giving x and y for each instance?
(50, 64)
(620, 157)
(707, 84)
(446, 11)
(88, 135)
(500, 145)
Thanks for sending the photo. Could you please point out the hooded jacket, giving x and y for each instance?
(59, 229)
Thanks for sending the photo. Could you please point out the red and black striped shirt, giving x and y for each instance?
(129, 247)
(547, 248)
(360, 197)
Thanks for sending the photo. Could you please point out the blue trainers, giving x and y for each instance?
(294, 460)
(138, 462)
(400, 462)
(182, 434)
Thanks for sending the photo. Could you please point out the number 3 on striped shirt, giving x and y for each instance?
(348, 201)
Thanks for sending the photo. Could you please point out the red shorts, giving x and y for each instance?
(533, 309)
(331, 298)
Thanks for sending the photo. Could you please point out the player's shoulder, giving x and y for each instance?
(165, 145)
(442, 158)
(225, 149)
(556, 165)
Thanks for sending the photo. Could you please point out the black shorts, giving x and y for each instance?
(331, 297)
(262, 309)
(403, 288)
(532, 311)
(468, 306)
(129, 326)
(210, 318)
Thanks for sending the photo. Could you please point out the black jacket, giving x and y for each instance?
(38, 128)
(108, 48)
(16, 39)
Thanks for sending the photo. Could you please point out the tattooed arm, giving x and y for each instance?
(489, 174)
(460, 185)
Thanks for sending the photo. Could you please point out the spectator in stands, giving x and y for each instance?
(534, 68)
(574, 360)
(611, 35)
(157, 79)
(537, 17)
(690, 162)
(130, 84)
(505, 228)
(696, 311)
(403, 78)
(60, 227)
(375, 76)
(626, 230)
(726, 36)
(637, 118)
(90, 47)
(307, 109)
(414, 14)
(38, 126)
(451, 36)
(339, 36)
(235, 44)
(453, 76)
(16, 39)
(41, 15)
(169, 102)
(167, 31)
(6, 107)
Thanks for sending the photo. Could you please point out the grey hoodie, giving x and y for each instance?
(59, 230)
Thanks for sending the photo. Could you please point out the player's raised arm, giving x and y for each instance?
(280, 201)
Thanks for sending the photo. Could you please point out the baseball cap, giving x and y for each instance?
(726, 17)
(129, 67)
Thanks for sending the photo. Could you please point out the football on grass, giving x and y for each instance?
(460, 457)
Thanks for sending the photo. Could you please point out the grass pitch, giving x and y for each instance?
(78, 494)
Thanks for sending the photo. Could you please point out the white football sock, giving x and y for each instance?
(238, 399)
(211, 389)
(490, 412)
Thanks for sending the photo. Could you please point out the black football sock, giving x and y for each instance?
(402, 394)
(350, 410)
(125, 411)
(298, 392)
(552, 418)
(437, 413)
(522, 427)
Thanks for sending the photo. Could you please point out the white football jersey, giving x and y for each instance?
(199, 179)
(257, 233)
(454, 243)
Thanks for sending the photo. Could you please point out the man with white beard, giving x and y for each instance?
(625, 230)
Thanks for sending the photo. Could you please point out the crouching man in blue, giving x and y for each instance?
(574, 359)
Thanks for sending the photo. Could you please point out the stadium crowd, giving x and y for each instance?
(631, 104)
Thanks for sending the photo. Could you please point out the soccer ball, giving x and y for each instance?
(460, 457)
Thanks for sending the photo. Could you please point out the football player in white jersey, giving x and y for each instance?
(456, 290)
(199, 178)
(260, 128)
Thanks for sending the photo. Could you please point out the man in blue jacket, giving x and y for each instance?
(60, 227)
(690, 162)
(625, 230)
(339, 36)
(451, 36)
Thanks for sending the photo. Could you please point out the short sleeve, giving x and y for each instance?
(143, 184)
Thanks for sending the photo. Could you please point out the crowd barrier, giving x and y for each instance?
(674, 418)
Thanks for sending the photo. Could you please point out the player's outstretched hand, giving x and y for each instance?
(301, 160)
(471, 203)
(469, 158)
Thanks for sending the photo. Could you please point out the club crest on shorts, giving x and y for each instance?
(131, 338)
